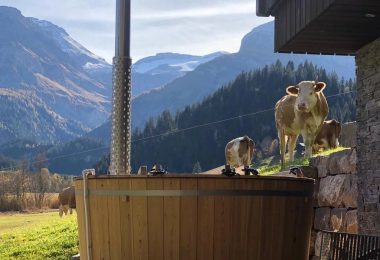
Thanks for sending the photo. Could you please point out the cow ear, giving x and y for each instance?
(292, 90)
(320, 86)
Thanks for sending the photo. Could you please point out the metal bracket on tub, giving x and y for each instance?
(247, 171)
(157, 169)
(88, 172)
(228, 171)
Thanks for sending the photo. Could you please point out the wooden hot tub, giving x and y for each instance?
(195, 217)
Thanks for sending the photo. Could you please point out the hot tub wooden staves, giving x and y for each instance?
(195, 217)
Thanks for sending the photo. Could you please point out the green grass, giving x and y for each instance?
(276, 168)
(267, 167)
(328, 152)
(38, 236)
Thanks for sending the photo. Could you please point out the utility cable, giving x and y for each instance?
(175, 131)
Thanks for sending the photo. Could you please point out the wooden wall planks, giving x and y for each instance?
(325, 26)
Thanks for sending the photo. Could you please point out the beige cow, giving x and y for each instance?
(328, 137)
(239, 151)
(302, 111)
(66, 200)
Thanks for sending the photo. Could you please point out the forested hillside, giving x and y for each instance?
(191, 137)
(248, 100)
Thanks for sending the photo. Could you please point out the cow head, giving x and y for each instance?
(306, 93)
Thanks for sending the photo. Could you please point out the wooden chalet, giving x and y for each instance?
(322, 26)
(345, 27)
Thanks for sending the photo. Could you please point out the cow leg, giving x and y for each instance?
(282, 138)
(308, 139)
(65, 209)
(333, 142)
(60, 210)
(292, 146)
(71, 211)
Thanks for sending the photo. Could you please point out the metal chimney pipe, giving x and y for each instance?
(121, 95)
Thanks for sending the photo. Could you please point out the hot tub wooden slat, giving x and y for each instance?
(255, 221)
(139, 222)
(114, 220)
(126, 220)
(269, 225)
(222, 219)
(205, 228)
(81, 222)
(162, 218)
(171, 221)
(279, 228)
(238, 245)
(289, 230)
(302, 206)
(95, 219)
(103, 211)
(156, 220)
(189, 213)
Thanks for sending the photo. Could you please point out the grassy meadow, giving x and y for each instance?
(38, 236)
(266, 167)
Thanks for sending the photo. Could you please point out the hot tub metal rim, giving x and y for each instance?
(199, 176)
(197, 193)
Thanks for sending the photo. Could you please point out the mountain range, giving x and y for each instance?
(256, 51)
(157, 71)
(41, 60)
(42, 67)
(197, 135)
(53, 90)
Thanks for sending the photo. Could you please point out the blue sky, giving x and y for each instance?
(185, 26)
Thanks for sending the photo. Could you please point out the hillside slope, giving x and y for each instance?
(38, 58)
(244, 107)
(256, 51)
(23, 115)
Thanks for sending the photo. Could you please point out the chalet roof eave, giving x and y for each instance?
(266, 8)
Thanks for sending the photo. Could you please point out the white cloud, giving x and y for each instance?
(186, 26)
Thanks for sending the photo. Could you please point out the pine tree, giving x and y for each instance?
(252, 94)
(197, 168)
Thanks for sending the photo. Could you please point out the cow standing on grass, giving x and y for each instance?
(328, 137)
(302, 111)
(66, 200)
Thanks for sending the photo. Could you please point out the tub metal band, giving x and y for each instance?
(184, 193)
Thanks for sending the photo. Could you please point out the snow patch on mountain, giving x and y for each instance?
(64, 40)
(183, 62)
(95, 66)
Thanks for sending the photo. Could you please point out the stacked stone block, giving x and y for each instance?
(335, 197)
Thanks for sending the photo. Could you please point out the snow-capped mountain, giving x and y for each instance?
(183, 62)
(69, 45)
(256, 51)
(39, 59)
(156, 71)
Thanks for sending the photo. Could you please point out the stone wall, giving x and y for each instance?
(368, 137)
(348, 135)
(335, 197)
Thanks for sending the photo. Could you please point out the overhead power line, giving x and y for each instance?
(174, 131)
